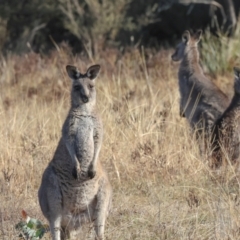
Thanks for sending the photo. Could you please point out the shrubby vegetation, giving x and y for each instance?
(92, 25)
(219, 54)
(84, 24)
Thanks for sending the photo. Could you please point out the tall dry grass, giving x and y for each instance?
(162, 188)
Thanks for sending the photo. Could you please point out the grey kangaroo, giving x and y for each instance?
(75, 188)
(227, 129)
(201, 101)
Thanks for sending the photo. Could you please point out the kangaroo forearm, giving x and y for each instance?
(97, 138)
(72, 153)
(96, 153)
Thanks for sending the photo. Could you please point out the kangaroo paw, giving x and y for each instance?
(76, 173)
(91, 172)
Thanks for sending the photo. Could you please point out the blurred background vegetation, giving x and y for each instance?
(93, 25)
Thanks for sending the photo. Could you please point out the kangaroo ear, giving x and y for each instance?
(73, 72)
(236, 72)
(186, 37)
(93, 71)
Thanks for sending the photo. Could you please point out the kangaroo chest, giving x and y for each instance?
(82, 135)
(189, 96)
(81, 126)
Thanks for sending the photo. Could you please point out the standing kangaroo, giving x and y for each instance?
(201, 101)
(227, 129)
(75, 189)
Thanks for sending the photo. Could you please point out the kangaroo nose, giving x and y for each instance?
(174, 58)
(85, 99)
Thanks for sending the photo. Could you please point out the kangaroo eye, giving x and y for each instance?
(77, 88)
(91, 86)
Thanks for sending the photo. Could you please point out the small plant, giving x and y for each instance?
(220, 53)
(30, 228)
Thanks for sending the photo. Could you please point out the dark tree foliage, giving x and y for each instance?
(38, 25)
(32, 24)
(163, 21)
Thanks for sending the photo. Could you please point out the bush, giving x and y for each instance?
(94, 22)
(220, 53)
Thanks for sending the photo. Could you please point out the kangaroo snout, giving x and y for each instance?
(85, 99)
(174, 57)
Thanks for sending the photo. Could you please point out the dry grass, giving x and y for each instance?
(162, 188)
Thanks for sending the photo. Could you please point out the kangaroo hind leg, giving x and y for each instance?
(101, 210)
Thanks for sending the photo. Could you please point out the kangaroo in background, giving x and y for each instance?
(201, 101)
(227, 129)
(75, 189)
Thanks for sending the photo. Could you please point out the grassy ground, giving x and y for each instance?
(162, 188)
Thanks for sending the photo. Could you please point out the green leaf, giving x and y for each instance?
(40, 233)
(33, 230)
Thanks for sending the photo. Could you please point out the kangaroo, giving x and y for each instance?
(201, 101)
(75, 188)
(227, 129)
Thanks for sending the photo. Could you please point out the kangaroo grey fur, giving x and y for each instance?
(227, 129)
(75, 188)
(201, 101)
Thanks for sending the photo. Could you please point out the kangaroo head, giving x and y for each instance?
(237, 80)
(189, 40)
(83, 85)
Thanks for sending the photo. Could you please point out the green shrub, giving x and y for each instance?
(220, 53)
(94, 22)
(33, 229)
